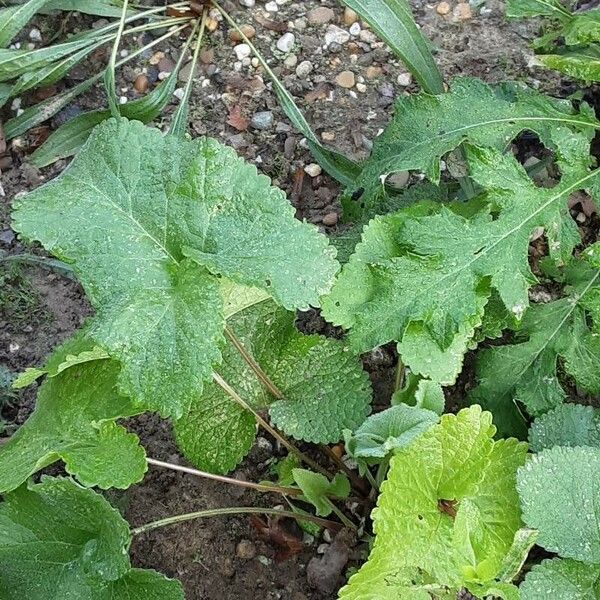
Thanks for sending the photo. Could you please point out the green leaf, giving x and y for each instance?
(581, 63)
(584, 28)
(526, 371)
(566, 425)
(562, 579)
(324, 390)
(317, 487)
(13, 19)
(16, 62)
(78, 544)
(454, 468)
(100, 8)
(153, 201)
(434, 268)
(426, 127)
(519, 9)
(514, 560)
(384, 432)
(393, 21)
(74, 421)
(559, 489)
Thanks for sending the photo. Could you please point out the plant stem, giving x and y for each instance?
(399, 375)
(234, 510)
(357, 483)
(109, 78)
(371, 480)
(267, 427)
(259, 487)
(179, 122)
(249, 359)
(341, 516)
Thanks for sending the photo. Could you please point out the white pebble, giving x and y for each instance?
(179, 93)
(123, 100)
(313, 169)
(242, 51)
(286, 42)
(355, 28)
(404, 79)
(248, 3)
(335, 34)
(304, 69)
(35, 35)
(271, 7)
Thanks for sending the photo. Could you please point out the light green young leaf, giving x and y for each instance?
(13, 19)
(384, 432)
(78, 543)
(561, 579)
(514, 560)
(74, 421)
(580, 63)
(559, 490)
(425, 127)
(434, 268)
(324, 390)
(154, 200)
(583, 28)
(447, 514)
(526, 371)
(566, 425)
(317, 487)
(394, 23)
(421, 393)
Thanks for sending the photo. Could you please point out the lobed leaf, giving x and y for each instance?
(154, 201)
(519, 9)
(317, 487)
(559, 489)
(579, 63)
(526, 371)
(425, 127)
(58, 540)
(447, 513)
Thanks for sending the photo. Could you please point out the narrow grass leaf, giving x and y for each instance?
(13, 19)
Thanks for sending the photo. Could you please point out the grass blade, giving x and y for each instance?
(100, 8)
(5, 89)
(109, 74)
(394, 23)
(337, 165)
(13, 19)
(70, 137)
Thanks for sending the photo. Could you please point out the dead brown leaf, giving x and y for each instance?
(236, 119)
(272, 530)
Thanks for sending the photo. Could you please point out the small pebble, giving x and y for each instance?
(355, 29)
(361, 87)
(247, 30)
(248, 3)
(271, 7)
(443, 8)
(337, 35)
(304, 69)
(404, 79)
(291, 61)
(141, 84)
(262, 120)
(346, 79)
(320, 15)
(242, 51)
(245, 550)
(179, 93)
(462, 11)
(286, 42)
(330, 219)
(350, 17)
(313, 169)
(35, 35)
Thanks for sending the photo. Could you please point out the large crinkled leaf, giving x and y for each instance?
(447, 513)
(74, 421)
(561, 579)
(426, 127)
(583, 28)
(559, 490)
(431, 266)
(58, 540)
(323, 385)
(137, 203)
(566, 425)
(526, 370)
(520, 9)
